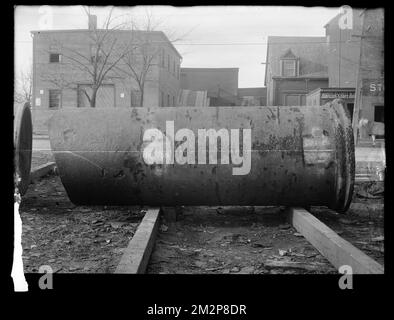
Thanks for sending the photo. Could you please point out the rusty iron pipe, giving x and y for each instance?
(298, 156)
(23, 140)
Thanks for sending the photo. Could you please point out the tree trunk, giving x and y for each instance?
(142, 98)
(93, 98)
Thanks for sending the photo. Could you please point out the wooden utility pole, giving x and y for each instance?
(358, 96)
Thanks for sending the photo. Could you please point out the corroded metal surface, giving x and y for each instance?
(23, 140)
(156, 156)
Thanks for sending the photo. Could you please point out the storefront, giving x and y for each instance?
(321, 96)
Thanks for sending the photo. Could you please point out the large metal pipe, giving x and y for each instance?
(23, 140)
(266, 156)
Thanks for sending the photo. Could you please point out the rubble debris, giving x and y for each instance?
(70, 239)
(378, 239)
(163, 228)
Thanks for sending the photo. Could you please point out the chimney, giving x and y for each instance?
(92, 22)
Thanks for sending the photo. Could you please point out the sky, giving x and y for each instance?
(209, 36)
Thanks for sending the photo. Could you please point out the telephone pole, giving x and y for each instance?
(358, 97)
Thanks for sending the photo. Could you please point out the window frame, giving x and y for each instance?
(54, 53)
(49, 99)
(294, 61)
(378, 105)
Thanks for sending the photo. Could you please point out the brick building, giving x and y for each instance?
(295, 66)
(343, 51)
(55, 53)
(370, 76)
(346, 45)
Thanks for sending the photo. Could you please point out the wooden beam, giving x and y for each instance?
(337, 250)
(136, 256)
(42, 170)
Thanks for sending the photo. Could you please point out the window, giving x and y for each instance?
(96, 54)
(289, 68)
(54, 57)
(350, 108)
(294, 99)
(173, 101)
(168, 100)
(379, 114)
(54, 99)
(162, 98)
(169, 62)
(173, 68)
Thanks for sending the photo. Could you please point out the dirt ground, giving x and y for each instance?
(234, 240)
(365, 233)
(72, 238)
(240, 240)
(237, 240)
(41, 157)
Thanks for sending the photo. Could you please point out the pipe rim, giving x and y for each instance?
(346, 162)
(23, 141)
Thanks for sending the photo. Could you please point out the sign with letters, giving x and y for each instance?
(338, 95)
(373, 87)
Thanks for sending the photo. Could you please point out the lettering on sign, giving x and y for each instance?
(373, 87)
(337, 95)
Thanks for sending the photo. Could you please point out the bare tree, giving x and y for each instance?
(145, 52)
(97, 65)
(140, 60)
(23, 87)
(112, 57)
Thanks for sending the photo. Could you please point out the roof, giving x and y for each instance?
(355, 12)
(332, 19)
(311, 52)
(158, 33)
(288, 55)
(318, 75)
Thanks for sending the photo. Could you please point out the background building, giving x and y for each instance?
(343, 50)
(294, 67)
(253, 96)
(221, 84)
(370, 80)
(356, 65)
(192, 98)
(60, 79)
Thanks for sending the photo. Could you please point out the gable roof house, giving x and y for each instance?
(294, 67)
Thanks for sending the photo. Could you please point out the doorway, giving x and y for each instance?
(350, 108)
(379, 117)
(379, 114)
